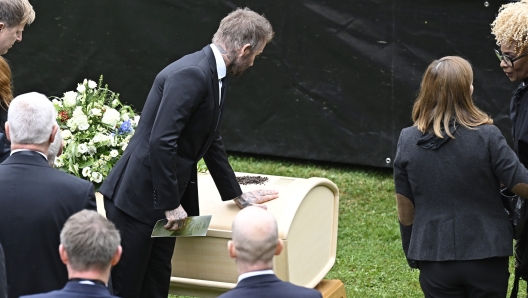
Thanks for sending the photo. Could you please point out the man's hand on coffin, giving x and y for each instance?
(256, 198)
(176, 219)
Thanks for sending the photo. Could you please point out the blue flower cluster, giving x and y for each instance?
(125, 128)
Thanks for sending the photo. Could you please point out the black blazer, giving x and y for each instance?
(269, 286)
(35, 202)
(455, 190)
(178, 126)
(3, 279)
(74, 289)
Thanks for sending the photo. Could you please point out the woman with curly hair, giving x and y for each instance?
(6, 95)
(511, 33)
(447, 172)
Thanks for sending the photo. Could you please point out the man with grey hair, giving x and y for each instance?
(14, 15)
(89, 248)
(255, 241)
(156, 176)
(36, 199)
(55, 148)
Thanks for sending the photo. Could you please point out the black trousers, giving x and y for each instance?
(475, 278)
(145, 266)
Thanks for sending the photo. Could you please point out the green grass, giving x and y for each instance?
(370, 260)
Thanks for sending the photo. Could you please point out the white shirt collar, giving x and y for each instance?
(220, 64)
(20, 150)
(254, 273)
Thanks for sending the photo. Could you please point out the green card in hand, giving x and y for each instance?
(194, 226)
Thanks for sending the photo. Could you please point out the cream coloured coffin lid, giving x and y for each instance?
(307, 216)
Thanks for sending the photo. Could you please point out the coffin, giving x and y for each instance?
(307, 216)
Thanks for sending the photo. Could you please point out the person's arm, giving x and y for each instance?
(506, 165)
(404, 200)
(182, 93)
(221, 171)
(89, 199)
(225, 180)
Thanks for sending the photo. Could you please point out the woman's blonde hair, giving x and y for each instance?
(445, 94)
(6, 88)
(511, 25)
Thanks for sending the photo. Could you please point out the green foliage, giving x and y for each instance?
(370, 260)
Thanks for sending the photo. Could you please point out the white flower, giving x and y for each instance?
(100, 138)
(81, 88)
(59, 162)
(110, 117)
(86, 172)
(96, 177)
(136, 120)
(57, 103)
(66, 134)
(114, 103)
(114, 153)
(91, 84)
(95, 112)
(78, 112)
(82, 148)
(125, 117)
(80, 121)
(70, 99)
(124, 147)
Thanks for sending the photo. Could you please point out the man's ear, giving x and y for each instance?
(245, 50)
(7, 132)
(2, 26)
(231, 249)
(53, 132)
(280, 246)
(63, 255)
(117, 256)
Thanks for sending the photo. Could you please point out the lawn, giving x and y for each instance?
(370, 260)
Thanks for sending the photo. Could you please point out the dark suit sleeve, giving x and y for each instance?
(182, 93)
(403, 189)
(89, 199)
(506, 165)
(3, 279)
(218, 164)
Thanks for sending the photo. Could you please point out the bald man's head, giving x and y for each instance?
(255, 236)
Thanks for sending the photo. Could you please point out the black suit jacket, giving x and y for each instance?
(74, 289)
(455, 189)
(269, 286)
(179, 125)
(3, 279)
(35, 202)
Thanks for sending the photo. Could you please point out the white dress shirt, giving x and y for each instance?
(19, 150)
(254, 273)
(220, 69)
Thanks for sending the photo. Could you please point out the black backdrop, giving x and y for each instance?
(336, 83)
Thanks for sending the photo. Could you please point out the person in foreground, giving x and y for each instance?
(36, 199)
(447, 172)
(89, 248)
(156, 177)
(255, 240)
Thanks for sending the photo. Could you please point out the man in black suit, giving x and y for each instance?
(89, 248)
(156, 176)
(255, 240)
(36, 199)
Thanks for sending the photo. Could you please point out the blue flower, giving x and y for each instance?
(125, 128)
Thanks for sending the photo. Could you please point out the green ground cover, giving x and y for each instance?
(370, 260)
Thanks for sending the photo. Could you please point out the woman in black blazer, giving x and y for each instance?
(447, 172)
(6, 95)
